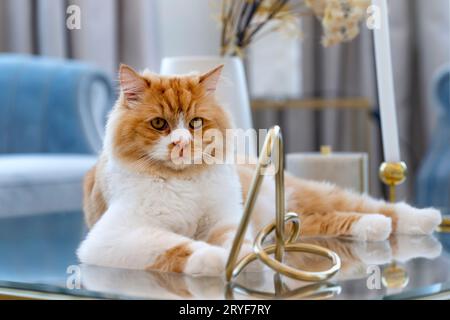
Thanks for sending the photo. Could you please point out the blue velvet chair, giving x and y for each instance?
(52, 115)
(433, 184)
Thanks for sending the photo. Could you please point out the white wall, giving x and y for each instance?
(187, 28)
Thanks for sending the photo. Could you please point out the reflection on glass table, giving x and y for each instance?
(37, 259)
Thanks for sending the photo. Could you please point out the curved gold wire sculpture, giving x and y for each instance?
(265, 166)
(315, 291)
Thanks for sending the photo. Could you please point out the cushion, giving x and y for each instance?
(52, 105)
(42, 183)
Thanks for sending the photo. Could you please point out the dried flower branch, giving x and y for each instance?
(244, 21)
(340, 19)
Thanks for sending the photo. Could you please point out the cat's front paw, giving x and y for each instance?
(207, 261)
(417, 221)
(372, 227)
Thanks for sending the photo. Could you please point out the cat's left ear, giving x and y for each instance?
(210, 79)
(132, 84)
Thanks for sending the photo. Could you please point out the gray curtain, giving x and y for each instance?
(112, 31)
(140, 32)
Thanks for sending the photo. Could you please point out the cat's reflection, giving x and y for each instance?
(154, 285)
(157, 285)
(355, 257)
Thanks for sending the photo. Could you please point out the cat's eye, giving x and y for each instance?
(159, 124)
(196, 123)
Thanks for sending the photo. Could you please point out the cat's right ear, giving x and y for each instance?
(132, 84)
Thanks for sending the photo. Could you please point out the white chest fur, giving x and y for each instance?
(184, 206)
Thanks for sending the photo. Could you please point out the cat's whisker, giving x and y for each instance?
(143, 161)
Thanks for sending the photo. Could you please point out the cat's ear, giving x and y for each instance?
(210, 79)
(131, 83)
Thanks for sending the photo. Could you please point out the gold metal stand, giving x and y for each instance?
(393, 174)
(445, 225)
(267, 166)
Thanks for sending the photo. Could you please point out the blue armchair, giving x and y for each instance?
(433, 184)
(52, 115)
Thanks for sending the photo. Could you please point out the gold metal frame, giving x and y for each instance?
(274, 142)
(315, 291)
(361, 103)
(445, 225)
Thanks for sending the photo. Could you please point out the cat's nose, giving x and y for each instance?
(181, 138)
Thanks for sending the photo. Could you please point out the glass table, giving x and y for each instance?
(38, 261)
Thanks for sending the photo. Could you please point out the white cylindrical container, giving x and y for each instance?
(231, 92)
(347, 170)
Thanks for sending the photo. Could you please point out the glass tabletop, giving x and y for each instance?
(38, 260)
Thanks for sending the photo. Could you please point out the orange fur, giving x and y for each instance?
(94, 204)
(173, 260)
(330, 210)
(324, 209)
(168, 98)
(153, 96)
(220, 235)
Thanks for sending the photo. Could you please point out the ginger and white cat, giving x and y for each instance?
(146, 210)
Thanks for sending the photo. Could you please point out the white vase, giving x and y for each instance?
(231, 92)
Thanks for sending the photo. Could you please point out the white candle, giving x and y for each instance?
(386, 85)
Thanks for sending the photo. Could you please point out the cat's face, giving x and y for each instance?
(161, 123)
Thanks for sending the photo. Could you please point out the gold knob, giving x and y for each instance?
(325, 150)
(395, 277)
(393, 173)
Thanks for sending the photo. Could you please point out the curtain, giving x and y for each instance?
(112, 31)
(141, 32)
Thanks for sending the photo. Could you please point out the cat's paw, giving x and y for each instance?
(207, 261)
(417, 221)
(372, 227)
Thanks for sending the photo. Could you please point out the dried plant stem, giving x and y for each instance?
(241, 21)
(272, 14)
(245, 21)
